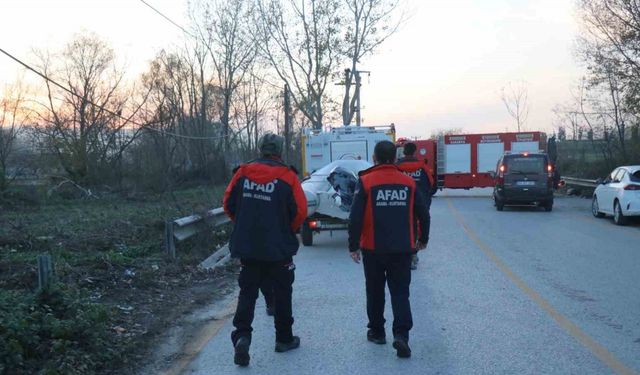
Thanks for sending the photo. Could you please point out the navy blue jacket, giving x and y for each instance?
(266, 203)
(419, 170)
(383, 213)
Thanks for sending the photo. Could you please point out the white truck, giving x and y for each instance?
(319, 148)
(331, 161)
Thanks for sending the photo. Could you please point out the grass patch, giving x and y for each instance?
(116, 290)
(53, 332)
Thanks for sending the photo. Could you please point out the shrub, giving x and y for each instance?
(52, 332)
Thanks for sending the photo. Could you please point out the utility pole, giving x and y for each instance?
(287, 122)
(358, 85)
(358, 117)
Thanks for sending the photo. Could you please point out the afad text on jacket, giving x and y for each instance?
(386, 202)
(267, 205)
(419, 171)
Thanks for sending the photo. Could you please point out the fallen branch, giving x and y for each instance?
(87, 192)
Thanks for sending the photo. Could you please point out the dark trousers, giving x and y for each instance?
(267, 292)
(253, 275)
(395, 271)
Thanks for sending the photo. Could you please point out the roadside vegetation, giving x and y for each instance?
(598, 128)
(115, 288)
(93, 161)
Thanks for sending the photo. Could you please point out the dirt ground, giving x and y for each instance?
(111, 248)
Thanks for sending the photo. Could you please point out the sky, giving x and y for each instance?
(443, 69)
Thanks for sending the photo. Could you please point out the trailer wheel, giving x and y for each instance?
(307, 234)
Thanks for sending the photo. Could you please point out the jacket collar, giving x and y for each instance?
(379, 167)
(264, 170)
(407, 158)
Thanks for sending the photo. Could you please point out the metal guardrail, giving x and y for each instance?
(183, 228)
(572, 181)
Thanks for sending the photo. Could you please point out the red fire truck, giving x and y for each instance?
(465, 161)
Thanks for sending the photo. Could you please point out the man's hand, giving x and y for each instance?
(421, 246)
(355, 255)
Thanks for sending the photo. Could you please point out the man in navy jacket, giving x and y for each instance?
(419, 171)
(381, 224)
(267, 205)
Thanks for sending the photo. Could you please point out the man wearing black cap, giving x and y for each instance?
(266, 203)
(381, 224)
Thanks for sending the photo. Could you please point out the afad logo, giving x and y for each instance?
(265, 188)
(385, 195)
(415, 174)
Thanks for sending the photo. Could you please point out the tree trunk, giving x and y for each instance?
(226, 106)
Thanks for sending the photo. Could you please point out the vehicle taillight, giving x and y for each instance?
(632, 187)
(313, 224)
(500, 176)
(550, 171)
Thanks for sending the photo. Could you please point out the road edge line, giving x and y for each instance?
(601, 352)
(195, 347)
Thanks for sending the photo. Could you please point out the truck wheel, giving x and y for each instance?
(499, 206)
(307, 234)
(548, 206)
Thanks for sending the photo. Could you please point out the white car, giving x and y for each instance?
(618, 195)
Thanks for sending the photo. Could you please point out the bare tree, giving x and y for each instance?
(87, 127)
(610, 43)
(437, 133)
(301, 40)
(516, 99)
(13, 117)
(255, 100)
(369, 24)
(223, 29)
(609, 46)
(181, 141)
(596, 114)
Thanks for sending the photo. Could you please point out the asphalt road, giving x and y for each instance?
(514, 292)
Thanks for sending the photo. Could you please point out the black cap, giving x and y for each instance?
(271, 145)
(409, 149)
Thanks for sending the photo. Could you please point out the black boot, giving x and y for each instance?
(376, 337)
(401, 345)
(282, 347)
(241, 357)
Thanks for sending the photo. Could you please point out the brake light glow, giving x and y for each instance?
(500, 177)
(632, 187)
(549, 168)
(313, 224)
(525, 154)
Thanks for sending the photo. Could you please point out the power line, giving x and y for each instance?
(168, 19)
(145, 126)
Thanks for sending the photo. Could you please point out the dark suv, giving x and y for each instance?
(524, 179)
